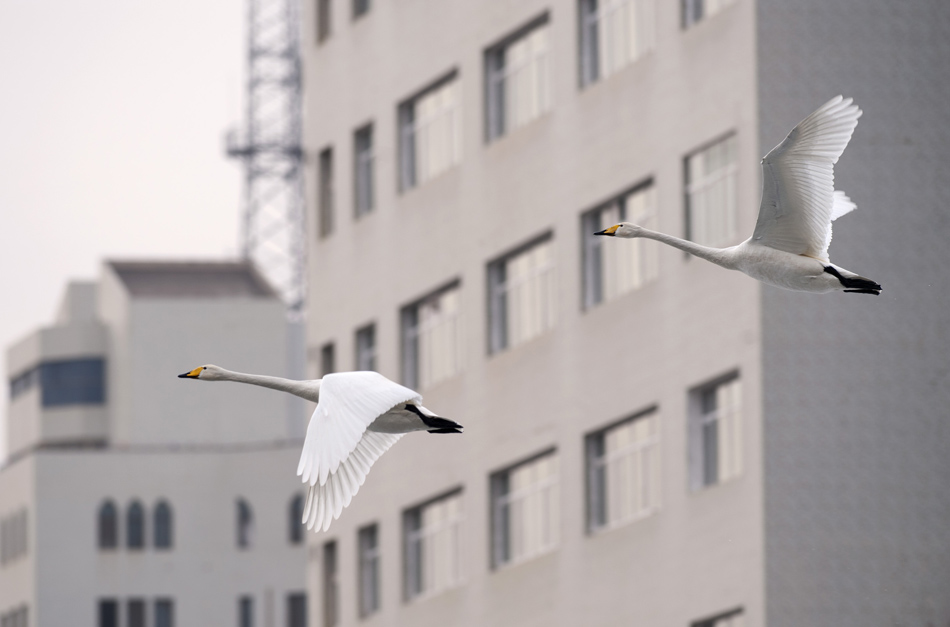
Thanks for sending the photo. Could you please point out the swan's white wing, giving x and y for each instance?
(798, 181)
(338, 451)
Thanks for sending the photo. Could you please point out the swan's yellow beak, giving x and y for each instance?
(191, 375)
(611, 231)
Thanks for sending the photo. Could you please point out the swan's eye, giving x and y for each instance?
(204, 367)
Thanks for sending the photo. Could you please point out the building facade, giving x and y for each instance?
(650, 439)
(131, 498)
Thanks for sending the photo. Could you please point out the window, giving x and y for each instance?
(297, 609)
(733, 618)
(325, 192)
(360, 8)
(15, 618)
(73, 382)
(522, 299)
(108, 613)
(296, 516)
(610, 270)
(331, 586)
(366, 348)
(323, 20)
(135, 526)
(164, 613)
(430, 134)
(246, 611)
(524, 510)
(363, 170)
(368, 547)
(136, 612)
(711, 193)
(245, 524)
(623, 472)
(108, 526)
(614, 33)
(13, 537)
(24, 382)
(716, 432)
(432, 541)
(163, 525)
(327, 359)
(695, 11)
(431, 338)
(517, 79)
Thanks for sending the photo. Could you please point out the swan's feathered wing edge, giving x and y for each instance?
(798, 200)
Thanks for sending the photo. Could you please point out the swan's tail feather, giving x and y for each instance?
(853, 283)
(437, 424)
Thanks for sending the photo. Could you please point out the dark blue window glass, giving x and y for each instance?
(73, 382)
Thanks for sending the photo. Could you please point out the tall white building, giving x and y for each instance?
(132, 498)
(650, 439)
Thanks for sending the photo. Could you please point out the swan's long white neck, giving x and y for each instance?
(309, 390)
(718, 256)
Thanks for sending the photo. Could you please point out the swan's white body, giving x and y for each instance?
(789, 247)
(359, 415)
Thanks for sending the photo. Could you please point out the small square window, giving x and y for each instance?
(518, 79)
(525, 510)
(431, 338)
(360, 8)
(433, 546)
(522, 295)
(614, 33)
(715, 432)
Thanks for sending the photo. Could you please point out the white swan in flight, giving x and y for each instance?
(789, 247)
(359, 415)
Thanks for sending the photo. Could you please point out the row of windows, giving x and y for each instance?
(66, 382)
(13, 538)
(18, 617)
(136, 612)
(523, 283)
(614, 33)
(622, 479)
(295, 611)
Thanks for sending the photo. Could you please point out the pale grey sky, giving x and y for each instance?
(111, 134)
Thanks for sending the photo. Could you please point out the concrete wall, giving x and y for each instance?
(18, 578)
(703, 552)
(856, 388)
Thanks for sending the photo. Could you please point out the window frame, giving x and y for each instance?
(163, 527)
(364, 171)
(590, 64)
(409, 333)
(325, 193)
(369, 590)
(699, 464)
(689, 188)
(413, 534)
(368, 330)
(244, 517)
(135, 526)
(107, 526)
(407, 172)
(330, 583)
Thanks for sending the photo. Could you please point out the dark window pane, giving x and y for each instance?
(245, 524)
(136, 611)
(331, 614)
(74, 382)
(296, 517)
(246, 612)
(108, 526)
(163, 526)
(297, 609)
(135, 526)
(108, 613)
(164, 613)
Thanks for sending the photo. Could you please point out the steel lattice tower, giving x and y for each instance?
(270, 145)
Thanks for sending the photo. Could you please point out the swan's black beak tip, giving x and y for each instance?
(183, 376)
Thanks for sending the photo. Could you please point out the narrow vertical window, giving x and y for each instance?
(517, 80)
(245, 611)
(295, 519)
(430, 133)
(297, 609)
(623, 472)
(108, 613)
(327, 359)
(164, 613)
(135, 526)
(711, 202)
(431, 338)
(135, 609)
(360, 8)
(366, 348)
(331, 586)
(323, 20)
(325, 192)
(611, 271)
(368, 547)
(525, 507)
(522, 295)
(716, 447)
(245, 524)
(108, 526)
(614, 33)
(363, 170)
(163, 525)
(432, 546)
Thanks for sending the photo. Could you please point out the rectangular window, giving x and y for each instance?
(327, 359)
(325, 192)
(430, 133)
(368, 546)
(732, 618)
(73, 382)
(518, 80)
(432, 541)
(246, 612)
(15, 618)
(695, 11)
(331, 586)
(297, 609)
(108, 613)
(716, 432)
(522, 295)
(611, 270)
(366, 348)
(136, 612)
(524, 510)
(711, 193)
(614, 33)
(13, 537)
(164, 613)
(363, 170)
(360, 8)
(431, 338)
(323, 20)
(24, 382)
(623, 472)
